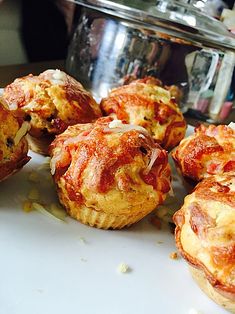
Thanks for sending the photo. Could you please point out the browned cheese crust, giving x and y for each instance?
(205, 232)
(13, 148)
(109, 176)
(51, 102)
(144, 102)
(209, 151)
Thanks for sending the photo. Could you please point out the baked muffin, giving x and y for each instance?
(205, 236)
(109, 174)
(13, 145)
(144, 102)
(51, 102)
(209, 151)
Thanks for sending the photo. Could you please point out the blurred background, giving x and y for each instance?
(32, 31)
(37, 35)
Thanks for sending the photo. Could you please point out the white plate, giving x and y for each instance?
(47, 268)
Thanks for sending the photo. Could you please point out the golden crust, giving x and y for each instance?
(104, 176)
(51, 101)
(209, 151)
(206, 287)
(12, 156)
(205, 231)
(143, 102)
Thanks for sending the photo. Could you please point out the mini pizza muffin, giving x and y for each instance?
(205, 236)
(209, 151)
(50, 102)
(109, 174)
(143, 102)
(13, 145)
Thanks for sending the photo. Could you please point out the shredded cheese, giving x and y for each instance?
(116, 126)
(75, 139)
(53, 163)
(232, 125)
(42, 209)
(58, 211)
(58, 75)
(13, 106)
(123, 268)
(154, 155)
(21, 132)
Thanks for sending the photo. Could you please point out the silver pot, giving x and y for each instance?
(115, 41)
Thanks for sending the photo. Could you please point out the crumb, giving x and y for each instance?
(27, 206)
(160, 242)
(57, 211)
(156, 222)
(38, 206)
(82, 240)
(83, 259)
(33, 194)
(174, 255)
(43, 209)
(123, 268)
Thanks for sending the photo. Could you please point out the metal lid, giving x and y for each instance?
(173, 17)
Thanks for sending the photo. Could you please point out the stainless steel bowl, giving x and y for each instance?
(113, 41)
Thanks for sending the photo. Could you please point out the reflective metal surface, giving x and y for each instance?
(106, 50)
(175, 17)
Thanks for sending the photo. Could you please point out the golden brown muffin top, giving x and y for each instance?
(107, 146)
(51, 101)
(9, 127)
(13, 145)
(210, 150)
(143, 102)
(205, 231)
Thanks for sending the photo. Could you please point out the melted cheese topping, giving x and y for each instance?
(232, 125)
(53, 101)
(119, 126)
(13, 145)
(205, 232)
(209, 151)
(144, 103)
(105, 170)
(115, 124)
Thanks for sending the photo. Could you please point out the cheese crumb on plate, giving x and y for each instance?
(123, 268)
